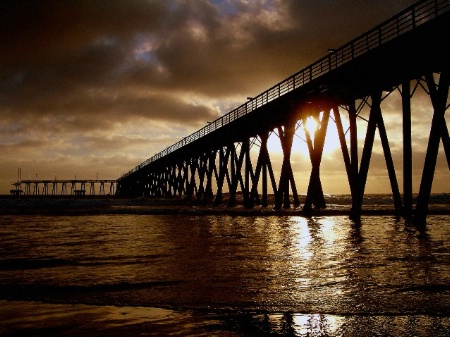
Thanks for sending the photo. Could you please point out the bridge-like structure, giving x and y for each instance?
(408, 51)
(76, 187)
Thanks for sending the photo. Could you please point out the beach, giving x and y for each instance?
(110, 267)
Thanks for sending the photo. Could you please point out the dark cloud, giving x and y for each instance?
(36, 31)
(50, 49)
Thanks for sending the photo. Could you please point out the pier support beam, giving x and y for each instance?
(375, 119)
(354, 155)
(191, 188)
(407, 151)
(344, 149)
(439, 96)
(183, 178)
(236, 172)
(222, 172)
(210, 168)
(389, 163)
(315, 195)
(263, 166)
(350, 157)
(286, 135)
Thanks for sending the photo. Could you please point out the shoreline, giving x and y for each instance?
(113, 205)
(55, 319)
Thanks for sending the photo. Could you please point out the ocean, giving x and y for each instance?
(147, 269)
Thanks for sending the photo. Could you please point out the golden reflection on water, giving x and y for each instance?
(301, 276)
(291, 324)
(329, 232)
(316, 325)
(317, 246)
(301, 239)
(308, 234)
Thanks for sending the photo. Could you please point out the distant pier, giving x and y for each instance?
(77, 187)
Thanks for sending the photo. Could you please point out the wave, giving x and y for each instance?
(384, 199)
(89, 294)
(24, 263)
(16, 264)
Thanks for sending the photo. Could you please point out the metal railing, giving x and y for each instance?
(404, 22)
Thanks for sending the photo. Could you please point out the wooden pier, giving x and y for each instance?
(77, 187)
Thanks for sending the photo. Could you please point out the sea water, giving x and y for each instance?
(223, 275)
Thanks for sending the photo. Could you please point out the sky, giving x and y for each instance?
(93, 88)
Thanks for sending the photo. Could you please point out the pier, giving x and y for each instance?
(76, 187)
(407, 51)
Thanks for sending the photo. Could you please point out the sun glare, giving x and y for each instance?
(311, 126)
(331, 144)
(331, 140)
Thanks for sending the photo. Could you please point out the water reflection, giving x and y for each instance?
(321, 325)
(287, 324)
(301, 239)
(300, 275)
(41, 319)
(319, 247)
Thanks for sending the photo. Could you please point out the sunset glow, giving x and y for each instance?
(97, 88)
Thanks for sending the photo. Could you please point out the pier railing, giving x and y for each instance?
(402, 23)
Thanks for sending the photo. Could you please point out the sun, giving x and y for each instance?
(311, 126)
(300, 145)
(331, 139)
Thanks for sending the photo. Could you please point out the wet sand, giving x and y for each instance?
(20, 318)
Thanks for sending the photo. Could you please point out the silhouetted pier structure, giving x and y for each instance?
(77, 187)
(407, 51)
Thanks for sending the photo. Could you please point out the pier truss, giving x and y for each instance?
(408, 52)
(64, 187)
